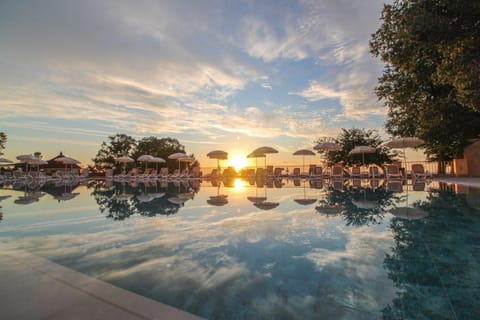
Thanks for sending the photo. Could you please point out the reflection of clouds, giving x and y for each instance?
(200, 257)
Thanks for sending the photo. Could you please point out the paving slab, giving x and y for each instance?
(32, 287)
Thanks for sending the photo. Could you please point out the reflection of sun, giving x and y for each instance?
(239, 184)
(238, 162)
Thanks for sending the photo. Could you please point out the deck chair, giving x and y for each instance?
(269, 171)
(337, 172)
(296, 182)
(373, 172)
(393, 172)
(395, 186)
(418, 172)
(295, 173)
(277, 172)
(355, 172)
(418, 185)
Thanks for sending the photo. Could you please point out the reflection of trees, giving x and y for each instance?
(379, 199)
(434, 263)
(115, 208)
(120, 201)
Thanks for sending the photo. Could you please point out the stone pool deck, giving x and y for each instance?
(32, 287)
(466, 181)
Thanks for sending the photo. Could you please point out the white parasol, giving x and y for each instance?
(362, 150)
(303, 153)
(403, 143)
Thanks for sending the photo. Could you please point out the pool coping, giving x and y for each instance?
(91, 297)
(466, 181)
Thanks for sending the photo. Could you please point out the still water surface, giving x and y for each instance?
(278, 250)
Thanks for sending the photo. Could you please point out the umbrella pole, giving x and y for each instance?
(303, 164)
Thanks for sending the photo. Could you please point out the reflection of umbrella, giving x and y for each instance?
(219, 200)
(330, 209)
(29, 198)
(256, 199)
(145, 198)
(122, 196)
(303, 153)
(264, 151)
(266, 205)
(305, 201)
(364, 204)
(409, 213)
(362, 150)
(176, 200)
(26, 200)
(66, 196)
(402, 143)
(4, 197)
(219, 155)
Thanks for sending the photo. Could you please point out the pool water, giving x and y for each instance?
(269, 250)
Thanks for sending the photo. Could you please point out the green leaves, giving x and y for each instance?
(431, 82)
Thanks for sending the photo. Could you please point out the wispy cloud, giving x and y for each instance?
(176, 67)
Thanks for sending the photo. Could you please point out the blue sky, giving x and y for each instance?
(230, 75)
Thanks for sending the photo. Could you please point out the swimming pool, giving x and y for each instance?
(281, 249)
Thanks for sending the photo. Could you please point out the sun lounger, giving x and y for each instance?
(418, 172)
(295, 173)
(374, 173)
(355, 172)
(337, 172)
(393, 172)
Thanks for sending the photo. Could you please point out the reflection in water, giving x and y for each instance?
(435, 261)
(121, 200)
(219, 255)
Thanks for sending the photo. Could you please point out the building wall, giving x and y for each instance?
(472, 155)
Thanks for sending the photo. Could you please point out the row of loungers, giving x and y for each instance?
(26, 178)
(389, 172)
(154, 175)
(338, 172)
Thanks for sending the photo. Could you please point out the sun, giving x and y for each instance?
(238, 162)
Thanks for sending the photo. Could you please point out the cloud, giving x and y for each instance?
(181, 68)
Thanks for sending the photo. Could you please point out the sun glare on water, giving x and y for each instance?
(238, 162)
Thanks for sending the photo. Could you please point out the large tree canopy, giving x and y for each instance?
(162, 148)
(117, 146)
(350, 138)
(431, 82)
(124, 145)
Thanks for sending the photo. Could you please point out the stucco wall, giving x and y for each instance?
(472, 155)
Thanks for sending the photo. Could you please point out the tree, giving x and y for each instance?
(119, 145)
(159, 148)
(3, 141)
(349, 138)
(430, 83)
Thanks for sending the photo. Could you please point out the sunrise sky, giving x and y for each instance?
(229, 75)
